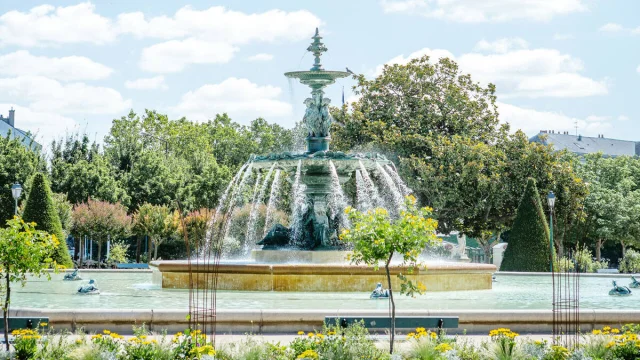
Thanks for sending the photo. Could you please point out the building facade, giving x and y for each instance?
(8, 125)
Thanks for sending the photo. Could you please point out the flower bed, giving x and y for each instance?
(329, 343)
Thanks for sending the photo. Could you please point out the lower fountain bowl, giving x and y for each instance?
(335, 277)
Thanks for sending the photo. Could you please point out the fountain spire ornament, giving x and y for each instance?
(317, 117)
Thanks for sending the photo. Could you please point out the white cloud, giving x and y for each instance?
(175, 55)
(260, 57)
(521, 73)
(45, 126)
(218, 24)
(611, 27)
(240, 98)
(623, 118)
(212, 35)
(434, 56)
(156, 82)
(485, 10)
(46, 25)
(598, 118)
(68, 68)
(532, 121)
(48, 95)
(501, 45)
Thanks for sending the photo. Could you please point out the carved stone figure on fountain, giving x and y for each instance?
(311, 116)
(327, 119)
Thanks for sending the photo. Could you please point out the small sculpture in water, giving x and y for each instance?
(379, 292)
(73, 276)
(277, 237)
(89, 289)
(619, 290)
(634, 283)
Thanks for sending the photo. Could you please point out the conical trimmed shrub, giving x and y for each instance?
(41, 210)
(528, 248)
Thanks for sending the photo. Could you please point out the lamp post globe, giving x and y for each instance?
(16, 191)
(551, 199)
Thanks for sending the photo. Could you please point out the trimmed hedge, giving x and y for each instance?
(41, 210)
(528, 248)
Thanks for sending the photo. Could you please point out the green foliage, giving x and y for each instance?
(159, 223)
(442, 130)
(65, 212)
(18, 163)
(630, 263)
(23, 250)
(376, 238)
(101, 221)
(583, 257)
(81, 171)
(118, 253)
(528, 248)
(41, 210)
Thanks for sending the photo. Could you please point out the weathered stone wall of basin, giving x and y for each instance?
(319, 277)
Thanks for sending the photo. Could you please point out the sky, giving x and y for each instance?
(74, 66)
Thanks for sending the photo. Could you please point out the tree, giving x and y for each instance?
(195, 227)
(102, 221)
(376, 238)
(41, 210)
(18, 163)
(23, 250)
(529, 248)
(65, 212)
(158, 223)
(81, 171)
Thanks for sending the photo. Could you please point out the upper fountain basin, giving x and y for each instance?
(323, 77)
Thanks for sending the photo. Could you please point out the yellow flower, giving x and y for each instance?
(78, 341)
(106, 332)
(615, 331)
(43, 324)
(308, 354)
(596, 332)
(606, 328)
(433, 335)
(300, 332)
(444, 347)
(310, 334)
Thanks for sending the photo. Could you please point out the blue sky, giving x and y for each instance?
(74, 66)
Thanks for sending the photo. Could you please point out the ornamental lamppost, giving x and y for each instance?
(551, 199)
(16, 190)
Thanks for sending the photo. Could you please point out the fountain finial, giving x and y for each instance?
(317, 48)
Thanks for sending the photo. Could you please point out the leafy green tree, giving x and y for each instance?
(41, 210)
(102, 221)
(158, 223)
(18, 163)
(195, 226)
(529, 248)
(376, 238)
(23, 251)
(65, 212)
(81, 171)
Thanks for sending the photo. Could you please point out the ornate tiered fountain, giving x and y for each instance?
(304, 254)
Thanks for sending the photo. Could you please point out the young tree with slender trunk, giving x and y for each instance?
(376, 238)
(23, 250)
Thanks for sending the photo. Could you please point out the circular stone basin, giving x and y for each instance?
(249, 276)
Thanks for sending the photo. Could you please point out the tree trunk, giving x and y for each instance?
(138, 245)
(598, 248)
(624, 248)
(393, 306)
(155, 251)
(81, 253)
(99, 251)
(487, 253)
(6, 309)
(560, 247)
(149, 249)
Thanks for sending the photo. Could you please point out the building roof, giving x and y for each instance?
(17, 133)
(585, 144)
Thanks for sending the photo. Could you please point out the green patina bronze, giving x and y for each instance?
(317, 118)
